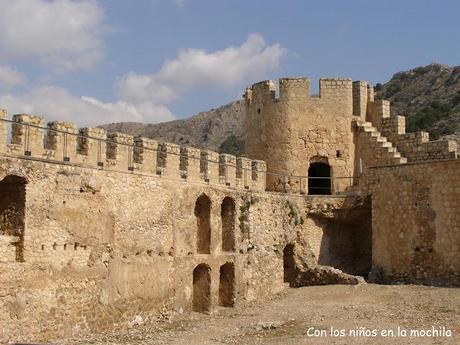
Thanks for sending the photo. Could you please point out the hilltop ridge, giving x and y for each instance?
(429, 96)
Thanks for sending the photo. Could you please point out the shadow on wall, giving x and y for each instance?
(201, 288)
(203, 218)
(228, 213)
(346, 243)
(227, 285)
(12, 211)
(289, 265)
(319, 178)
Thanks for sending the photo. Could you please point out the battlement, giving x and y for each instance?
(64, 143)
(297, 89)
(413, 146)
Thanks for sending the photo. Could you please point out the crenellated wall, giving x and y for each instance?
(415, 147)
(103, 247)
(98, 229)
(296, 128)
(94, 147)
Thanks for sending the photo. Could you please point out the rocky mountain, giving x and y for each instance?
(209, 129)
(428, 96)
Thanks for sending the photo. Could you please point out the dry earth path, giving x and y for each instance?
(292, 317)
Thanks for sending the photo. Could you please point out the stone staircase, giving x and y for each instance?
(385, 152)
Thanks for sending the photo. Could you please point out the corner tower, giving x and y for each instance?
(295, 132)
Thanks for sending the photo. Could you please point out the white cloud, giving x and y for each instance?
(62, 34)
(145, 98)
(228, 68)
(56, 103)
(10, 77)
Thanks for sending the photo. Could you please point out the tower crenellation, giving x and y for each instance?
(288, 131)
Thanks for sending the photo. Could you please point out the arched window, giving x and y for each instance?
(227, 285)
(201, 288)
(203, 219)
(12, 210)
(227, 213)
(319, 178)
(289, 264)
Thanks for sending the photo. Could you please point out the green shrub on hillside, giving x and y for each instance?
(425, 118)
(232, 145)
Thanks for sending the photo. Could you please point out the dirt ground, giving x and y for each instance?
(293, 317)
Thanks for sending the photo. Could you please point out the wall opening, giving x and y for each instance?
(289, 265)
(346, 243)
(201, 289)
(319, 179)
(227, 213)
(12, 211)
(203, 218)
(227, 285)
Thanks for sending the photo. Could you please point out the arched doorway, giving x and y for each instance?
(319, 178)
(12, 210)
(201, 288)
(227, 285)
(289, 264)
(227, 213)
(203, 219)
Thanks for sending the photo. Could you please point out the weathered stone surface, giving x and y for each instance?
(120, 232)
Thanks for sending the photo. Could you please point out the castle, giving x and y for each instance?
(98, 229)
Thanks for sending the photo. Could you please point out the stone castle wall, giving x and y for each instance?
(416, 223)
(292, 130)
(99, 229)
(344, 127)
(88, 247)
(296, 128)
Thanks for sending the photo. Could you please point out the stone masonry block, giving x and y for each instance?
(62, 138)
(169, 160)
(28, 133)
(227, 169)
(209, 166)
(190, 163)
(92, 145)
(146, 155)
(120, 149)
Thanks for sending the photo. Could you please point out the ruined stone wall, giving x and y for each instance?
(102, 248)
(295, 128)
(416, 146)
(110, 231)
(416, 223)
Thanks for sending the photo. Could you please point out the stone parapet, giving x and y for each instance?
(62, 142)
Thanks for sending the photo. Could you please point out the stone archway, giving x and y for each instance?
(203, 219)
(319, 177)
(12, 211)
(227, 285)
(201, 289)
(227, 213)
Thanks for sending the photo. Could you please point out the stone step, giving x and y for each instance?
(375, 134)
(386, 150)
(362, 123)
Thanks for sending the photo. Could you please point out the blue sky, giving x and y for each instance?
(99, 61)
